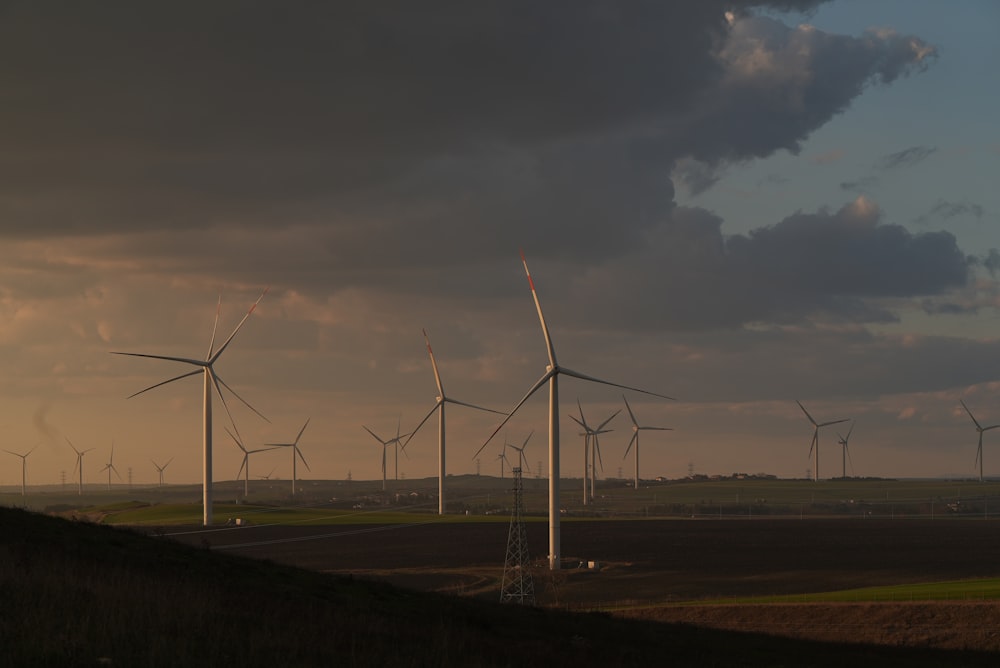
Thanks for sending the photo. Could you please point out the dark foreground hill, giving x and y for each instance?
(76, 594)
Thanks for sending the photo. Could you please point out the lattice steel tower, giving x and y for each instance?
(517, 587)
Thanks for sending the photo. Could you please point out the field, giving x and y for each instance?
(678, 570)
(911, 563)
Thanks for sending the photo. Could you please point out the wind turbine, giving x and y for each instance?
(245, 465)
(502, 457)
(79, 462)
(814, 447)
(110, 466)
(206, 367)
(268, 476)
(385, 446)
(980, 429)
(161, 469)
(294, 445)
(590, 435)
(521, 458)
(846, 453)
(551, 376)
(442, 399)
(636, 428)
(24, 466)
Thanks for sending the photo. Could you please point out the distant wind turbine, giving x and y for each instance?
(636, 428)
(980, 429)
(521, 458)
(24, 466)
(814, 447)
(79, 462)
(268, 476)
(591, 442)
(846, 453)
(206, 367)
(296, 453)
(245, 465)
(551, 377)
(439, 406)
(161, 469)
(110, 466)
(385, 446)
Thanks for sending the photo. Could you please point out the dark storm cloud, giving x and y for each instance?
(391, 128)
(843, 266)
(905, 158)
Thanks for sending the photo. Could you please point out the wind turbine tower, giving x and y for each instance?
(294, 445)
(79, 463)
(211, 379)
(442, 399)
(814, 447)
(980, 429)
(110, 466)
(636, 428)
(161, 469)
(245, 464)
(24, 467)
(551, 377)
(846, 453)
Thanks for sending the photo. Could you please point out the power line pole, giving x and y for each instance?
(517, 587)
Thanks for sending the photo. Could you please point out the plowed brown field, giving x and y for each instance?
(663, 561)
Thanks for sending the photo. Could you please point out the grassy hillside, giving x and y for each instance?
(78, 594)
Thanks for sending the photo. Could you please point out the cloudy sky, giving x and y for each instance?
(738, 204)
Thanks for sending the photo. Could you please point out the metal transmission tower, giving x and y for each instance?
(517, 587)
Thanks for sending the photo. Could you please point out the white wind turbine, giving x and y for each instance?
(296, 453)
(79, 462)
(591, 443)
(502, 457)
(442, 399)
(636, 428)
(24, 466)
(846, 453)
(206, 367)
(245, 465)
(980, 429)
(521, 458)
(551, 376)
(161, 469)
(385, 446)
(110, 466)
(814, 447)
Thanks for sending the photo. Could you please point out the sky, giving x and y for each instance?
(737, 204)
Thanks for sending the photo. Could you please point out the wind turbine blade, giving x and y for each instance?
(153, 387)
(116, 472)
(827, 424)
(541, 317)
(597, 449)
(225, 404)
(992, 426)
(243, 465)
(613, 416)
(168, 462)
(526, 439)
(582, 421)
(215, 328)
(584, 426)
(655, 428)
(806, 412)
(234, 393)
(814, 440)
(434, 366)
(374, 436)
(848, 450)
(219, 352)
(630, 413)
(481, 408)
(581, 376)
(302, 457)
(71, 445)
(426, 418)
(169, 358)
(302, 430)
(237, 441)
(534, 388)
(974, 420)
(635, 437)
